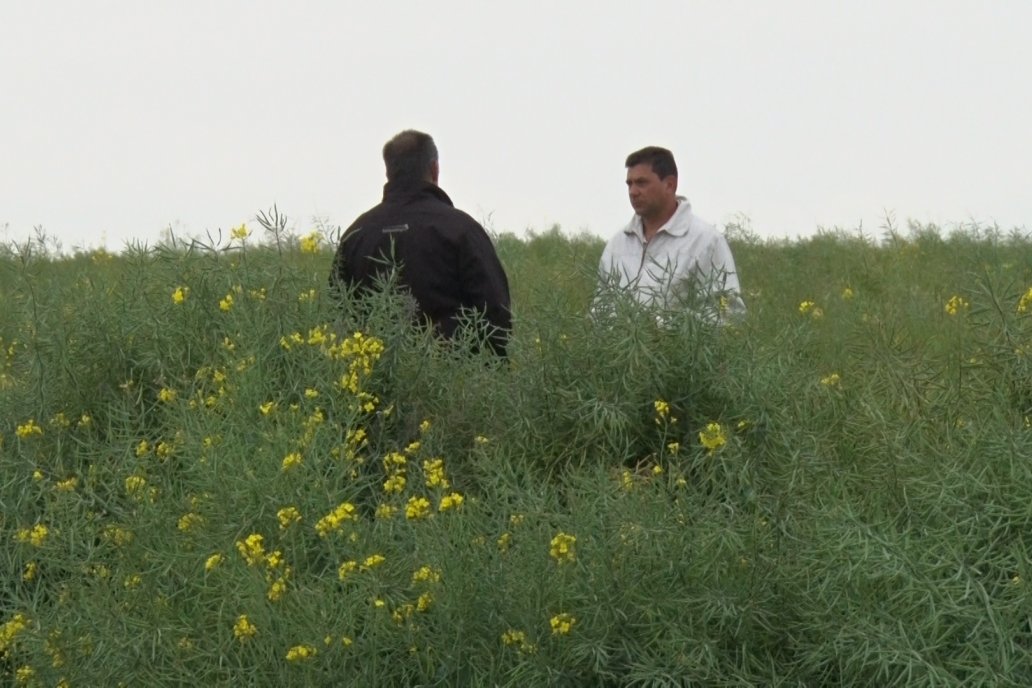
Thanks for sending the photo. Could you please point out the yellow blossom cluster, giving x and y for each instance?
(288, 516)
(417, 508)
(190, 522)
(955, 305)
(10, 631)
(252, 549)
(179, 295)
(243, 629)
(301, 653)
(451, 501)
(35, 536)
(562, 623)
(309, 243)
(426, 574)
(712, 437)
(213, 562)
(333, 521)
(831, 380)
(1025, 302)
(395, 465)
(562, 548)
(433, 473)
(518, 639)
(29, 428)
(810, 308)
(662, 409)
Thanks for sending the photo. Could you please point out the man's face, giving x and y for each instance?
(648, 193)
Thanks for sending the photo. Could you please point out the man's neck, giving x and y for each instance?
(651, 225)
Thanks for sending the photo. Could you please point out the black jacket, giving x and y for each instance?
(446, 259)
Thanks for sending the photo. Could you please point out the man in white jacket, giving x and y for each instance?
(667, 257)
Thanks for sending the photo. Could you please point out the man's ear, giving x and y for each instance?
(671, 183)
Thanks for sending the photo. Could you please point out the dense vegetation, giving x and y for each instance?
(213, 473)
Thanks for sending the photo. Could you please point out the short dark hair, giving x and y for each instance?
(409, 156)
(660, 159)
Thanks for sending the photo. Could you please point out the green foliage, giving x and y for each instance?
(203, 452)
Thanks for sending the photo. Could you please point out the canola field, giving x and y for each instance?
(213, 473)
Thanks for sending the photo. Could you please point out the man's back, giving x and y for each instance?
(446, 259)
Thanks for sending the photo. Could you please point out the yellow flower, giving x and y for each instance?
(311, 393)
(847, 294)
(333, 521)
(10, 630)
(385, 511)
(673, 447)
(831, 380)
(30, 571)
(417, 508)
(278, 588)
(504, 541)
(241, 232)
(291, 460)
(346, 569)
(29, 429)
(167, 395)
(68, 485)
(288, 516)
(433, 470)
(267, 408)
(426, 574)
(180, 294)
(226, 304)
(451, 501)
(190, 522)
(662, 409)
(117, 535)
(562, 548)
(1025, 301)
(955, 305)
(243, 629)
(301, 653)
(252, 549)
(424, 601)
(394, 484)
(212, 562)
(810, 308)
(35, 536)
(24, 675)
(424, 426)
(37, 475)
(134, 484)
(518, 639)
(712, 437)
(562, 624)
(143, 448)
(372, 561)
(310, 242)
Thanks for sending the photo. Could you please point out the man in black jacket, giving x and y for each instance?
(446, 260)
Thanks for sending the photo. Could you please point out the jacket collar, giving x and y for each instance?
(678, 224)
(393, 192)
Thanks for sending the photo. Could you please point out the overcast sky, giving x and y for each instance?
(119, 118)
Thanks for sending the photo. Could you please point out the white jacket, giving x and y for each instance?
(685, 255)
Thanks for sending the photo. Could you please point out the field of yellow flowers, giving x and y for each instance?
(213, 473)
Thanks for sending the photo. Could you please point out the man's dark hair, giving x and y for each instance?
(409, 157)
(660, 159)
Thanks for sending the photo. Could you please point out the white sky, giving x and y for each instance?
(119, 118)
